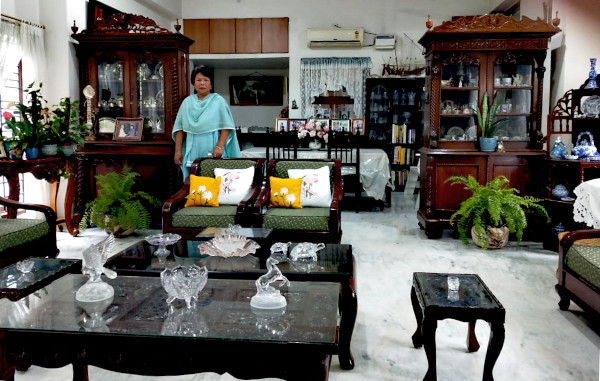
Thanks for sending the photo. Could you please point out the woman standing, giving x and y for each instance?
(204, 125)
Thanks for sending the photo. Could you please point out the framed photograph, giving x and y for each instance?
(256, 90)
(128, 129)
(324, 122)
(296, 124)
(281, 124)
(358, 126)
(340, 125)
(3, 153)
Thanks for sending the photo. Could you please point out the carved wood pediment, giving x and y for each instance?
(125, 23)
(494, 23)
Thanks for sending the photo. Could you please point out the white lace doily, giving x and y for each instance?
(586, 208)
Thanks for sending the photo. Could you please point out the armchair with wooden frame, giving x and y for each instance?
(188, 222)
(309, 224)
(21, 238)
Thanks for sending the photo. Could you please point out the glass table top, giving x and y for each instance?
(139, 307)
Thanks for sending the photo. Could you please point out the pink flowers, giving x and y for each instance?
(7, 115)
(313, 129)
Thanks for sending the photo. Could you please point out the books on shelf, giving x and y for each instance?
(401, 133)
(404, 155)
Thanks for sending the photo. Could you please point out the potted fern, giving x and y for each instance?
(116, 208)
(493, 211)
(485, 120)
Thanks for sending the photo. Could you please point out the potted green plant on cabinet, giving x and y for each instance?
(64, 129)
(493, 211)
(485, 119)
(116, 208)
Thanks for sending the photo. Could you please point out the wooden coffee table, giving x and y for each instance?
(138, 333)
(431, 302)
(336, 264)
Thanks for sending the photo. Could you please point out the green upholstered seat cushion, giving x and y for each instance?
(207, 166)
(297, 219)
(197, 217)
(585, 261)
(15, 232)
(281, 168)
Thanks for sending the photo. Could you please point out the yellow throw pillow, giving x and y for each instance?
(285, 193)
(203, 191)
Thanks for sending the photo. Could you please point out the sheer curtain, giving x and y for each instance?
(320, 74)
(10, 50)
(34, 54)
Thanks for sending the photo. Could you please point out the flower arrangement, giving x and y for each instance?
(313, 129)
(29, 131)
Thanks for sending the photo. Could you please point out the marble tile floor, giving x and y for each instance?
(542, 342)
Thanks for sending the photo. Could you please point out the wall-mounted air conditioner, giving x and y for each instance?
(335, 38)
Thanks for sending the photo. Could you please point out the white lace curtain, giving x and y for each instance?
(21, 42)
(320, 74)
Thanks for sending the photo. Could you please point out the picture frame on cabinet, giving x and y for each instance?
(340, 125)
(324, 122)
(296, 124)
(281, 124)
(128, 129)
(357, 126)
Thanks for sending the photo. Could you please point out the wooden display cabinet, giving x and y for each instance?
(466, 58)
(138, 70)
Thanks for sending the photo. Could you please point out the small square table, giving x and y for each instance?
(432, 301)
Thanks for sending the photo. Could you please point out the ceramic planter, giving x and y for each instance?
(50, 149)
(488, 144)
(496, 238)
(32, 153)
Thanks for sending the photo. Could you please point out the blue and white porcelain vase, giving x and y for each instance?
(559, 150)
(592, 77)
(559, 191)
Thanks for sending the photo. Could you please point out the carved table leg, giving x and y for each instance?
(80, 372)
(493, 351)
(347, 320)
(472, 343)
(429, 328)
(70, 198)
(417, 337)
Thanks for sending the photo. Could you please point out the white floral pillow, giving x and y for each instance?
(235, 184)
(315, 189)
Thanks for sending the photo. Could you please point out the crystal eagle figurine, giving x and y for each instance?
(94, 258)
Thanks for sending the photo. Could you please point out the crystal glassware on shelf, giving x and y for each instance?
(184, 282)
(162, 241)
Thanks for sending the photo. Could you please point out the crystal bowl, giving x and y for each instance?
(25, 266)
(229, 245)
(184, 282)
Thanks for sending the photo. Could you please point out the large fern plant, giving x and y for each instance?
(487, 114)
(116, 208)
(493, 204)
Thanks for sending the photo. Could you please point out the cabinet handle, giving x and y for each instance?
(130, 99)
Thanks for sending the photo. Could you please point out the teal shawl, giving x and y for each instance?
(204, 116)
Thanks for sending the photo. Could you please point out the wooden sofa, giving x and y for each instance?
(579, 270)
(22, 238)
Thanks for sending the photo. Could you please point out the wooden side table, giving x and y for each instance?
(432, 301)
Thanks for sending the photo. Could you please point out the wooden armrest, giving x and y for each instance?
(49, 214)
(568, 239)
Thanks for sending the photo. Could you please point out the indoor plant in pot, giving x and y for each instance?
(28, 132)
(116, 208)
(485, 119)
(493, 211)
(64, 128)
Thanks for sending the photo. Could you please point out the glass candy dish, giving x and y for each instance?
(162, 240)
(184, 282)
(229, 245)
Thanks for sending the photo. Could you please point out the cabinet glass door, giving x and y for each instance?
(151, 95)
(513, 76)
(378, 113)
(459, 99)
(110, 85)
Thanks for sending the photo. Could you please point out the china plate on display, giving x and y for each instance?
(591, 106)
(159, 69)
(567, 199)
(571, 157)
(106, 125)
(455, 131)
(472, 133)
(593, 158)
(160, 98)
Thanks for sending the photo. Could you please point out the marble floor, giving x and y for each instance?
(542, 342)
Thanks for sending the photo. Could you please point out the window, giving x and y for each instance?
(12, 92)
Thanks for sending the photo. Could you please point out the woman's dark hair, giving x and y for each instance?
(205, 71)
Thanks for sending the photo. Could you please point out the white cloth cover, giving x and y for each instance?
(235, 184)
(315, 189)
(586, 208)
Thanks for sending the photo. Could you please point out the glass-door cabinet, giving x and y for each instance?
(493, 54)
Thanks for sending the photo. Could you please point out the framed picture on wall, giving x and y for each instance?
(340, 125)
(281, 124)
(358, 126)
(256, 90)
(128, 129)
(296, 124)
